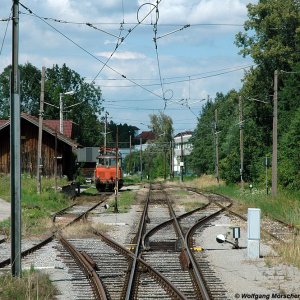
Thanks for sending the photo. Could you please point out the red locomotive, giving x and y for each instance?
(108, 173)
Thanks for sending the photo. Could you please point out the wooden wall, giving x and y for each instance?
(29, 144)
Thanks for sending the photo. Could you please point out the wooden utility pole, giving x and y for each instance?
(105, 132)
(15, 147)
(40, 138)
(141, 158)
(241, 124)
(275, 121)
(181, 158)
(116, 210)
(217, 145)
(55, 161)
(171, 159)
(130, 153)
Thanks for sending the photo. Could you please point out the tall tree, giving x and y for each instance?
(29, 90)
(158, 155)
(85, 115)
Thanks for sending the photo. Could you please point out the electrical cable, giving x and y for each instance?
(89, 53)
(157, 56)
(123, 12)
(174, 77)
(3, 40)
(178, 81)
(174, 31)
(132, 23)
(119, 42)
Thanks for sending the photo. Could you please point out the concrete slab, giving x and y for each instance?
(4, 210)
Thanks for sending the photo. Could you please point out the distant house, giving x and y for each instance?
(182, 148)
(145, 138)
(57, 148)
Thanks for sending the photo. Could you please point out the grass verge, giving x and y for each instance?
(285, 207)
(36, 208)
(32, 285)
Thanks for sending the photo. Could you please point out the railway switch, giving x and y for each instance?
(236, 234)
(221, 238)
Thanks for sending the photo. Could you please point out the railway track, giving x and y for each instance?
(62, 219)
(276, 229)
(161, 262)
(140, 274)
(167, 244)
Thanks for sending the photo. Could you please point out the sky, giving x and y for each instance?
(146, 58)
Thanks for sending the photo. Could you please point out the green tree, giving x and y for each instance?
(85, 116)
(30, 87)
(272, 34)
(271, 38)
(124, 133)
(156, 157)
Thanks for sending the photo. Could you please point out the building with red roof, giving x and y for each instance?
(57, 149)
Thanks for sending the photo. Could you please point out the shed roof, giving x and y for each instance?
(54, 124)
(51, 130)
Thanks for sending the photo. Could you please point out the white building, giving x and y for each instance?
(182, 147)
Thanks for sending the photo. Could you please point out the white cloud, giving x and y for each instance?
(199, 11)
(123, 55)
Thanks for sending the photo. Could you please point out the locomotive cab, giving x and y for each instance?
(108, 173)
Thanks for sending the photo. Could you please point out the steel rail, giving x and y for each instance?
(62, 211)
(197, 273)
(142, 227)
(85, 265)
(186, 251)
(160, 278)
(84, 214)
(148, 234)
(48, 239)
(242, 217)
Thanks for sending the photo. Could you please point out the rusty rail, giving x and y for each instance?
(161, 279)
(84, 262)
(49, 238)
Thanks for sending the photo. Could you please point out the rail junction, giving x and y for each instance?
(161, 261)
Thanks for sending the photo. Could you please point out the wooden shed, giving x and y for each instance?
(57, 148)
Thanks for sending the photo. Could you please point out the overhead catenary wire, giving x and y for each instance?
(120, 41)
(233, 69)
(5, 32)
(179, 81)
(89, 53)
(132, 23)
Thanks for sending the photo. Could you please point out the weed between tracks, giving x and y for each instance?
(187, 199)
(83, 230)
(124, 201)
(32, 285)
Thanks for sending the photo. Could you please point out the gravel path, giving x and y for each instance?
(4, 210)
(242, 277)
